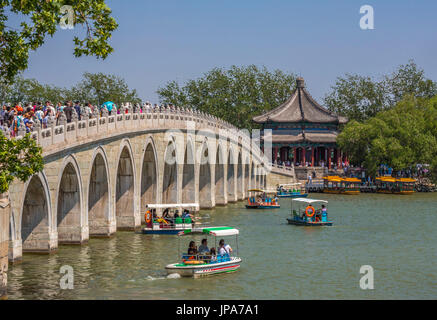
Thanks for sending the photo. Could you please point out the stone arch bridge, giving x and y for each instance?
(101, 172)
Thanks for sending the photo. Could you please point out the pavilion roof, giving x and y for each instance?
(300, 107)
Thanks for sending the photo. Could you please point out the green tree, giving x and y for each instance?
(19, 158)
(95, 88)
(41, 19)
(400, 137)
(235, 95)
(30, 90)
(360, 98)
(99, 88)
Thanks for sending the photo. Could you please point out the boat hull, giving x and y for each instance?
(308, 224)
(292, 195)
(198, 271)
(163, 231)
(261, 207)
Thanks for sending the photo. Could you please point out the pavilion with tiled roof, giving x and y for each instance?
(302, 131)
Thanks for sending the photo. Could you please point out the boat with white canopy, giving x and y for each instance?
(197, 264)
(175, 218)
(309, 212)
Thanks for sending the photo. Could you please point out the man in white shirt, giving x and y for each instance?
(224, 248)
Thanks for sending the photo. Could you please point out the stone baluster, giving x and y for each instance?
(96, 113)
(6, 133)
(74, 116)
(21, 129)
(105, 112)
(37, 126)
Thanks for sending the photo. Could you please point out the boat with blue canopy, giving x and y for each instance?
(202, 263)
(292, 190)
(309, 212)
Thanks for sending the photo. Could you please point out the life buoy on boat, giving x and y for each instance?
(148, 217)
(310, 211)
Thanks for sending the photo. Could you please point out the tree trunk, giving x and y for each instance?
(4, 241)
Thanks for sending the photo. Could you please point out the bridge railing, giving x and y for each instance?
(59, 132)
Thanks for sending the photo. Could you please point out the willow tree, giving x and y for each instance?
(42, 18)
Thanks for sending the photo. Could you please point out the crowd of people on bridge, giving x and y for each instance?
(29, 116)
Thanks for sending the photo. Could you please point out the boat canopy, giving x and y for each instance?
(173, 205)
(352, 180)
(309, 201)
(290, 184)
(333, 178)
(406, 180)
(263, 191)
(213, 231)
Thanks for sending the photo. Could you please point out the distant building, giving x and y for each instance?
(303, 132)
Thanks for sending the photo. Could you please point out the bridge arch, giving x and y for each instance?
(220, 196)
(231, 176)
(240, 179)
(205, 177)
(189, 177)
(71, 221)
(38, 234)
(149, 176)
(100, 216)
(125, 188)
(170, 176)
(246, 174)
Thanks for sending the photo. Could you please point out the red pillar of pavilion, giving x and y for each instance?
(275, 154)
(312, 156)
(294, 155)
(303, 157)
(329, 158)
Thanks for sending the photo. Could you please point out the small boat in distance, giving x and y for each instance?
(338, 185)
(175, 218)
(292, 190)
(263, 199)
(303, 213)
(223, 260)
(388, 184)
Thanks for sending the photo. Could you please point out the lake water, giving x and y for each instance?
(396, 235)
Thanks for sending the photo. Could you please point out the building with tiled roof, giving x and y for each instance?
(302, 131)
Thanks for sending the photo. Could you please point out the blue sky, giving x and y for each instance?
(159, 41)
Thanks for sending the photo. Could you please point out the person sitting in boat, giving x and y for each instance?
(176, 214)
(224, 249)
(166, 214)
(324, 213)
(213, 254)
(186, 214)
(203, 248)
(192, 250)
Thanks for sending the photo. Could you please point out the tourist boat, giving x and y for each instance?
(171, 226)
(303, 213)
(206, 264)
(387, 184)
(263, 199)
(338, 185)
(293, 190)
